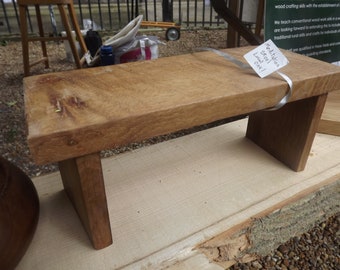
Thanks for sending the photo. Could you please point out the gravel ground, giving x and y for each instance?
(316, 249)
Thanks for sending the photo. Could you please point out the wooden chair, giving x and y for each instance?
(25, 38)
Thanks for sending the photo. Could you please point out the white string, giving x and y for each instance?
(242, 65)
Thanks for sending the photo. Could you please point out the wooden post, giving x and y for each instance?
(83, 181)
(230, 17)
(232, 34)
(288, 133)
(259, 18)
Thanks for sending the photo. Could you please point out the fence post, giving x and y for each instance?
(167, 7)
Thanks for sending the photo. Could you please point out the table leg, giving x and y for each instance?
(288, 133)
(83, 181)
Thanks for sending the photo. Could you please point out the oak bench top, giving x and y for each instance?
(78, 112)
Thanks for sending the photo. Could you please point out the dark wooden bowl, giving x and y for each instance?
(19, 214)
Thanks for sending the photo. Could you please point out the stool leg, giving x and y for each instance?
(41, 34)
(24, 39)
(76, 28)
(288, 133)
(84, 184)
(69, 35)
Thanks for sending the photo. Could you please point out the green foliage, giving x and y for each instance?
(3, 42)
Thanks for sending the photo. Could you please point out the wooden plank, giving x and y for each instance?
(257, 236)
(83, 182)
(169, 197)
(78, 112)
(160, 24)
(288, 133)
(330, 119)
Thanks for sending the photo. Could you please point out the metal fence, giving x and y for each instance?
(114, 14)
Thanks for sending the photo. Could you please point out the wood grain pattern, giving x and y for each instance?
(19, 214)
(288, 133)
(258, 235)
(83, 181)
(73, 114)
(78, 112)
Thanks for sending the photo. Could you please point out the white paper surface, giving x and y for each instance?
(266, 59)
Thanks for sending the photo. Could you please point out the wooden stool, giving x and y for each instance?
(72, 127)
(23, 5)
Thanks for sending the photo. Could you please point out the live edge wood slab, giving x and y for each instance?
(73, 115)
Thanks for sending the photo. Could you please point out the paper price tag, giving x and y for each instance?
(266, 59)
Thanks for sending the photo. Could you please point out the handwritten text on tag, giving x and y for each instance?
(266, 59)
